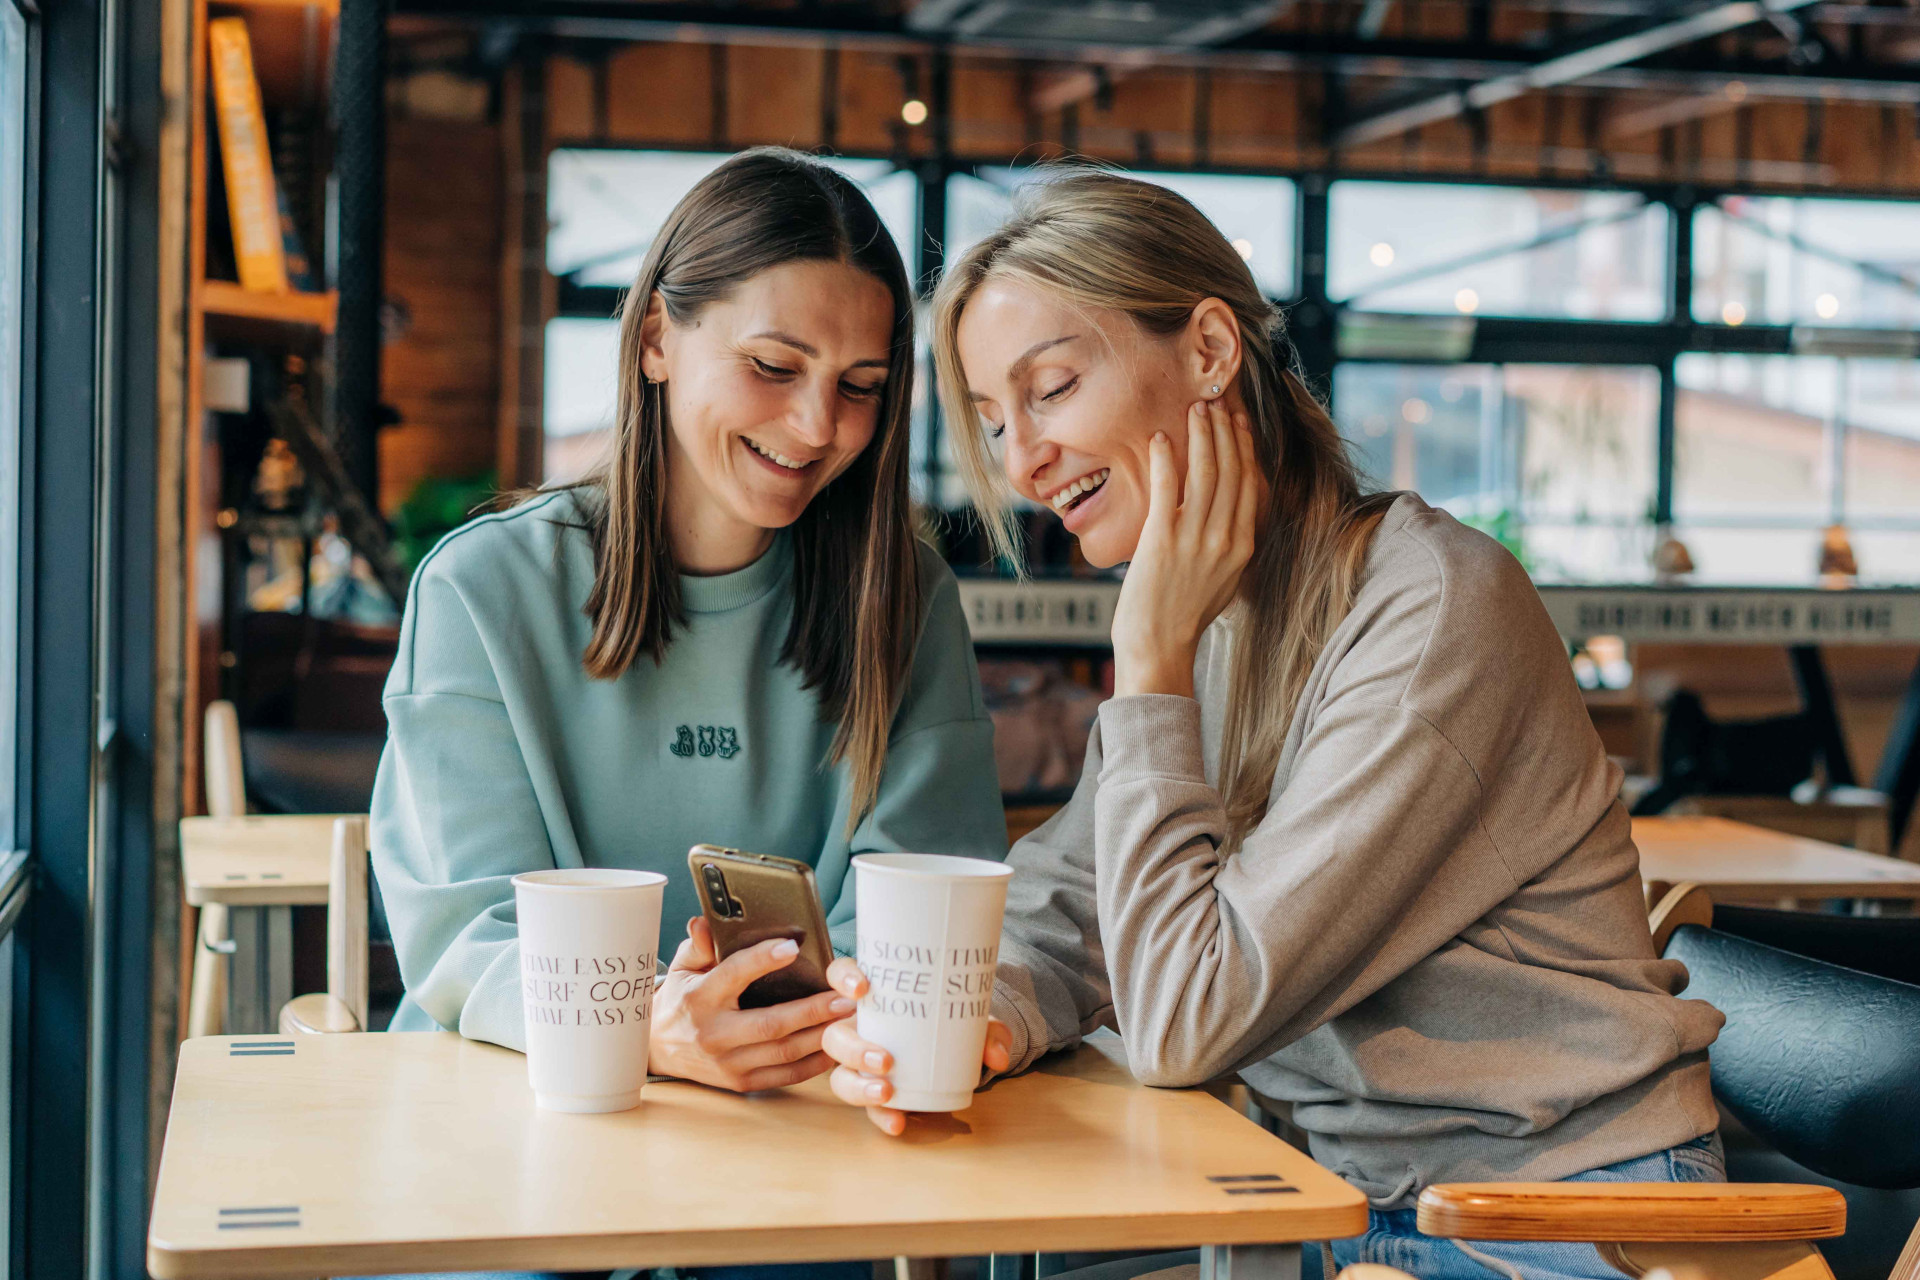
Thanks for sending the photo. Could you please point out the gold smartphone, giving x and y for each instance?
(748, 898)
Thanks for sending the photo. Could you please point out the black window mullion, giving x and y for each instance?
(57, 712)
(1680, 319)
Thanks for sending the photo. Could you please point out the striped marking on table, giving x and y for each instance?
(260, 1049)
(1253, 1184)
(256, 1217)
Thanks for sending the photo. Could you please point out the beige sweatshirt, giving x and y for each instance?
(1433, 948)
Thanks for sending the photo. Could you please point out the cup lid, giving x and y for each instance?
(593, 879)
(932, 866)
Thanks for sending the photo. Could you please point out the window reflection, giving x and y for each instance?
(1783, 445)
(1780, 260)
(13, 188)
(1451, 249)
(604, 207)
(603, 210)
(1256, 214)
(1556, 461)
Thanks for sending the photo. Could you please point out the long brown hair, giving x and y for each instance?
(856, 583)
(1102, 241)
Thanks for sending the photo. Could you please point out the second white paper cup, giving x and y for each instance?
(929, 929)
(589, 937)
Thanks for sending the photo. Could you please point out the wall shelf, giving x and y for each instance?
(228, 301)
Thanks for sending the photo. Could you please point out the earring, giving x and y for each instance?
(1216, 388)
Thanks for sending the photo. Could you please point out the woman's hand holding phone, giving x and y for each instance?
(861, 1067)
(701, 1033)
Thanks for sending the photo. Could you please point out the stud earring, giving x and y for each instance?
(1216, 388)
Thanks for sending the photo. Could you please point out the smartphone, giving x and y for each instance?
(748, 898)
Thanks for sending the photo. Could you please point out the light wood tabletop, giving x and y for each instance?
(261, 860)
(1736, 862)
(372, 1154)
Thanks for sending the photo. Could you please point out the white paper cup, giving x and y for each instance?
(929, 929)
(588, 941)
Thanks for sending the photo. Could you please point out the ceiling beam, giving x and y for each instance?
(850, 26)
(1587, 58)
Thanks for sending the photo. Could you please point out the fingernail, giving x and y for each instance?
(785, 949)
(841, 1006)
(877, 1091)
(875, 1060)
(1159, 437)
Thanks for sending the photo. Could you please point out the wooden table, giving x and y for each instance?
(259, 867)
(1740, 863)
(373, 1154)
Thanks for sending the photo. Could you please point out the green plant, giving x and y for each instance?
(437, 506)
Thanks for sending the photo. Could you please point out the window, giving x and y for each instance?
(1256, 214)
(1557, 461)
(13, 162)
(582, 361)
(1771, 449)
(1779, 260)
(603, 210)
(604, 207)
(13, 184)
(1437, 248)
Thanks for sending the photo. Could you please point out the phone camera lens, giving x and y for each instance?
(723, 902)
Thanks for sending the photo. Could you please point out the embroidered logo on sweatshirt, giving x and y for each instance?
(714, 740)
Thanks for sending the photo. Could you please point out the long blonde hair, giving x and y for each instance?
(1102, 241)
(856, 583)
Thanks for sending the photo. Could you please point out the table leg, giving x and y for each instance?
(261, 977)
(1250, 1262)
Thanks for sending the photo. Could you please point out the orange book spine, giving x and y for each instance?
(252, 205)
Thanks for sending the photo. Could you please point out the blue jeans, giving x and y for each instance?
(1393, 1239)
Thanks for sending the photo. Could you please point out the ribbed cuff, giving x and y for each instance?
(1008, 1010)
(1154, 734)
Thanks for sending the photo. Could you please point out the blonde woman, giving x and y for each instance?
(1344, 828)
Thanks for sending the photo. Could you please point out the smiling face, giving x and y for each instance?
(1073, 399)
(772, 393)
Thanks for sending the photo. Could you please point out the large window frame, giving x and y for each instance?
(1323, 332)
(76, 869)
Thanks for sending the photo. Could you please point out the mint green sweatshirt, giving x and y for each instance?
(504, 756)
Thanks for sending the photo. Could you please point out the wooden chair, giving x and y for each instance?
(342, 1006)
(226, 798)
(1841, 1099)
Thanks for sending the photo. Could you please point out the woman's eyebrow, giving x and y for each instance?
(1018, 369)
(808, 349)
(788, 340)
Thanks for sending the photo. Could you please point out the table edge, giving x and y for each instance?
(290, 1261)
(286, 893)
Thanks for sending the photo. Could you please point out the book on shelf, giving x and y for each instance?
(253, 205)
(296, 164)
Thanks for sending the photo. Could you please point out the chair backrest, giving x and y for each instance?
(1817, 1060)
(1887, 946)
(1685, 903)
(220, 760)
(347, 917)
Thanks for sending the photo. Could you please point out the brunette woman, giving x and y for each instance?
(728, 634)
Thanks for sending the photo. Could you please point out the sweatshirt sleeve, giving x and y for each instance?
(1052, 986)
(454, 819)
(939, 791)
(1218, 961)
